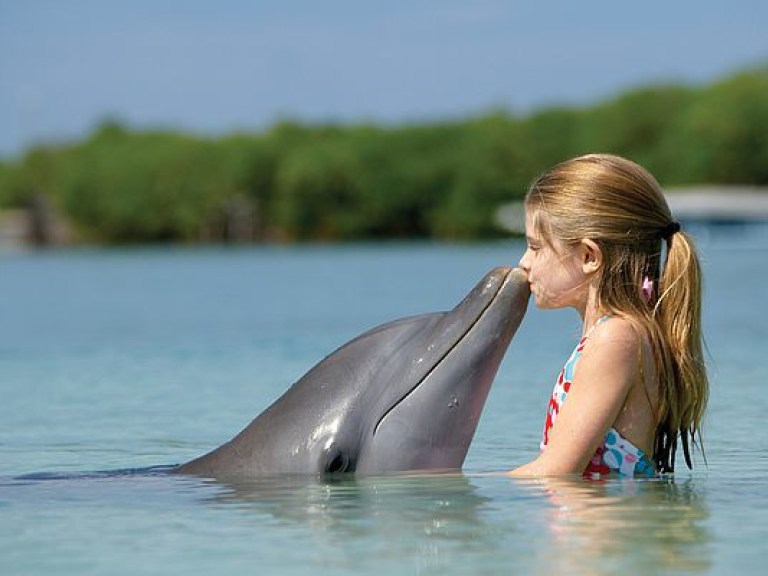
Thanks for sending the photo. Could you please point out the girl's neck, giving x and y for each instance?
(591, 319)
(591, 313)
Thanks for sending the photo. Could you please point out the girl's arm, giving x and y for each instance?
(605, 373)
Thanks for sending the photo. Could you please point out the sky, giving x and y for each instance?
(218, 66)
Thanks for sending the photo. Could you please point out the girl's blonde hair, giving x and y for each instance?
(619, 205)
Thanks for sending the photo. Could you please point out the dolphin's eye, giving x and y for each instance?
(339, 463)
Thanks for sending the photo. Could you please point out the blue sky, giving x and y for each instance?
(223, 65)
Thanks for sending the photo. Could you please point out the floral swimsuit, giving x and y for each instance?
(615, 454)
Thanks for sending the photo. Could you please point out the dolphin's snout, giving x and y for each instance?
(503, 282)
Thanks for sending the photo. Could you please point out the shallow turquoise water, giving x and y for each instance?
(120, 359)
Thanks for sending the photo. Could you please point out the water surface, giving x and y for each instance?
(127, 359)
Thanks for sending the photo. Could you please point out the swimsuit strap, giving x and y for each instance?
(600, 320)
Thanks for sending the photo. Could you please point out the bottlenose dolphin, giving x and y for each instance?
(406, 395)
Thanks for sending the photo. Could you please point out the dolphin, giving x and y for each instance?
(405, 396)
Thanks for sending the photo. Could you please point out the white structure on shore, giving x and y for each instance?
(718, 203)
(697, 204)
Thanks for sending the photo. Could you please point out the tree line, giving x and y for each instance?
(444, 180)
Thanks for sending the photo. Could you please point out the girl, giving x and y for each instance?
(596, 228)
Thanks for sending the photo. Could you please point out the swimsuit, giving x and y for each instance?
(615, 454)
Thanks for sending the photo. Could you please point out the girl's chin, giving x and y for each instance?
(543, 303)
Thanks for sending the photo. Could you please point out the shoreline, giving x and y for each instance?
(709, 204)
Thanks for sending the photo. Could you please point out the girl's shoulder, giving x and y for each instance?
(609, 364)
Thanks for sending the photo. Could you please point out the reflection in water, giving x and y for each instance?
(564, 525)
(429, 520)
(643, 525)
(425, 524)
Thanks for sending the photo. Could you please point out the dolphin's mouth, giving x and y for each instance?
(501, 278)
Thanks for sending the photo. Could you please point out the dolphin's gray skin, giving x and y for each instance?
(404, 396)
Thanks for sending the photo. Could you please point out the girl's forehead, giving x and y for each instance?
(533, 221)
(530, 218)
(537, 230)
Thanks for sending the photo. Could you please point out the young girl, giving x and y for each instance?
(601, 239)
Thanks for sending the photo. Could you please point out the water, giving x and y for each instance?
(122, 359)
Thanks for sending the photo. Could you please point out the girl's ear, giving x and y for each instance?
(591, 256)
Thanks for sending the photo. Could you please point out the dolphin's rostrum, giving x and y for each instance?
(406, 395)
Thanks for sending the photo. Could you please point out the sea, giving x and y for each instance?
(116, 363)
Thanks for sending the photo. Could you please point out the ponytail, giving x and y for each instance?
(684, 387)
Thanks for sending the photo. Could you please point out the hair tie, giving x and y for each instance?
(670, 230)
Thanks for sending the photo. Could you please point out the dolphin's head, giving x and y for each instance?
(425, 416)
(404, 396)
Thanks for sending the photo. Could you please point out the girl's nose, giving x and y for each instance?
(524, 261)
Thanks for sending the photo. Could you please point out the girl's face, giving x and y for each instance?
(555, 272)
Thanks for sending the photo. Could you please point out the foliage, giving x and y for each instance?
(722, 136)
(123, 187)
(297, 182)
